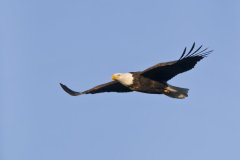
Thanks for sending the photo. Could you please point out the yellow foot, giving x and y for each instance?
(166, 91)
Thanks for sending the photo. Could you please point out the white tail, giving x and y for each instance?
(176, 92)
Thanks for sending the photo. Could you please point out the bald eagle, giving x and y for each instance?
(152, 80)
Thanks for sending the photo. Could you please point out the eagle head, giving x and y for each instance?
(124, 78)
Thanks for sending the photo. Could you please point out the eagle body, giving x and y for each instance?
(153, 80)
(146, 85)
(137, 82)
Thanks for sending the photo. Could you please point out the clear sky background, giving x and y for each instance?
(81, 43)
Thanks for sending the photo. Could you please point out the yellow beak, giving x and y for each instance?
(114, 77)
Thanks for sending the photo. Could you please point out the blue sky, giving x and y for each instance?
(81, 43)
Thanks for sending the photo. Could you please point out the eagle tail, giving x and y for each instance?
(176, 92)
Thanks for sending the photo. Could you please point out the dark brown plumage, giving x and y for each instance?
(168, 70)
(113, 86)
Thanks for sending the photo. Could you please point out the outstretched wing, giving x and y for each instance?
(187, 61)
(113, 86)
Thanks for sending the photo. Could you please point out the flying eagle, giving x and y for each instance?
(152, 80)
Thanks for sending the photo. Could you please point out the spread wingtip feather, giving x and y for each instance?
(201, 53)
(69, 91)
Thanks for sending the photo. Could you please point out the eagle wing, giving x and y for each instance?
(112, 86)
(187, 61)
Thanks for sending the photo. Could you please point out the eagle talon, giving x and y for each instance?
(166, 91)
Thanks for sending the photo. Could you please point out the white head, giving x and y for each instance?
(124, 78)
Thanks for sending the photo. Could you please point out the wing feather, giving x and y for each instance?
(166, 71)
(112, 86)
(191, 49)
